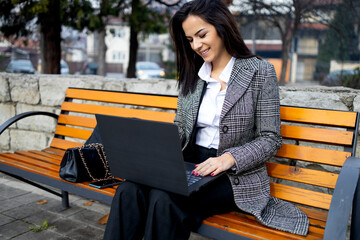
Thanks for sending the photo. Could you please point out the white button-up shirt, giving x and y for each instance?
(211, 105)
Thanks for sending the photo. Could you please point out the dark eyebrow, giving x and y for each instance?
(197, 32)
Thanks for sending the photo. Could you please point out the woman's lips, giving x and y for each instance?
(204, 53)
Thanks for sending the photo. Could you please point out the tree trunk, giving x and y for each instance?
(134, 43)
(50, 31)
(102, 53)
(285, 58)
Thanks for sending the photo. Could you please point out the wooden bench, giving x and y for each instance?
(300, 173)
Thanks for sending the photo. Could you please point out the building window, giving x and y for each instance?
(118, 55)
(117, 32)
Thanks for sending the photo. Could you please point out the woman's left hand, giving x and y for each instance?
(214, 165)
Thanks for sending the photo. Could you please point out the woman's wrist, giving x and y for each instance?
(230, 160)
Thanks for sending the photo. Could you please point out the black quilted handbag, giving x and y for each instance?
(86, 163)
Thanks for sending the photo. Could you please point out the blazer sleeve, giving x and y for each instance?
(179, 118)
(267, 136)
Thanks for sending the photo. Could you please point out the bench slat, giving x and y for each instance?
(318, 116)
(255, 230)
(77, 121)
(320, 225)
(64, 144)
(330, 136)
(320, 215)
(303, 175)
(29, 165)
(54, 151)
(73, 132)
(310, 154)
(167, 102)
(39, 157)
(301, 196)
(32, 161)
(116, 111)
(46, 154)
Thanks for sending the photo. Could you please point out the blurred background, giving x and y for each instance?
(315, 41)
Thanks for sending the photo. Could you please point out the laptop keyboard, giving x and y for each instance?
(192, 178)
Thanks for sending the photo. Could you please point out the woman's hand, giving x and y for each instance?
(214, 166)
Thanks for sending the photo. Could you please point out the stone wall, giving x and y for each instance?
(21, 93)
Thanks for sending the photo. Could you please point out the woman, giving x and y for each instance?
(228, 120)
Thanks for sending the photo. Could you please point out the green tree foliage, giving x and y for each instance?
(18, 17)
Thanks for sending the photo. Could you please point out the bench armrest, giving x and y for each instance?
(16, 118)
(343, 200)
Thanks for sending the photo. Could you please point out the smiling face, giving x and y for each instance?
(204, 40)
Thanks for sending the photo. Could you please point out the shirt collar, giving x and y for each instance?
(205, 71)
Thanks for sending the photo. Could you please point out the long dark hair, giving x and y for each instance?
(217, 14)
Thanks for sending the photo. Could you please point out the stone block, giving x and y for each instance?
(92, 82)
(356, 103)
(4, 89)
(312, 99)
(52, 89)
(5, 141)
(115, 85)
(156, 86)
(25, 89)
(28, 140)
(7, 111)
(38, 122)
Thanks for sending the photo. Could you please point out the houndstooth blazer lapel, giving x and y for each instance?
(240, 78)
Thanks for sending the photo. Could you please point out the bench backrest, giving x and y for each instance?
(305, 170)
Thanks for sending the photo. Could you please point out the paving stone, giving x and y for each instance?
(22, 211)
(42, 235)
(14, 229)
(86, 233)
(88, 217)
(52, 205)
(9, 192)
(64, 238)
(42, 215)
(97, 207)
(70, 211)
(8, 204)
(30, 198)
(5, 219)
(65, 226)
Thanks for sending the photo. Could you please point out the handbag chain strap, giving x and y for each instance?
(98, 147)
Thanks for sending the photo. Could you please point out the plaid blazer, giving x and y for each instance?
(250, 131)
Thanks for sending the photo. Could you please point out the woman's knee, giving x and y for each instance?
(162, 199)
(129, 190)
(159, 196)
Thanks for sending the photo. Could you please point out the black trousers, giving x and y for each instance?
(139, 211)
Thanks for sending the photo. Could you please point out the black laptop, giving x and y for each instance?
(149, 153)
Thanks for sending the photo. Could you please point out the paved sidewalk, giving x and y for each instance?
(20, 210)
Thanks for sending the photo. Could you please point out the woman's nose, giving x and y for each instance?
(196, 44)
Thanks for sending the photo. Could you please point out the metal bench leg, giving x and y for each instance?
(355, 217)
(65, 199)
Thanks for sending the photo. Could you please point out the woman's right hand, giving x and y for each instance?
(215, 165)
